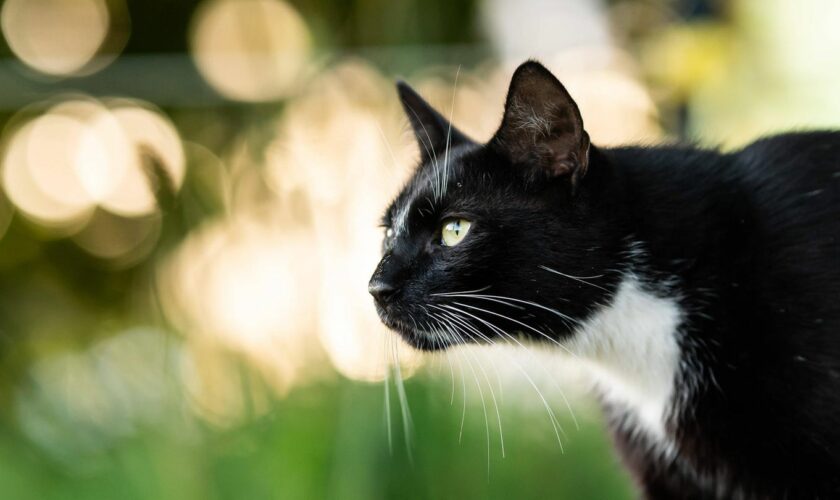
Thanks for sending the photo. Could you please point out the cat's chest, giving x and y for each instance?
(631, 349)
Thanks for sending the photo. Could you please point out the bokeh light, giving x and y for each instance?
(250, 50)
(39, 171)
(121, 240)
(246, 285)
(345, 165)
(61, 37)
(79, 154)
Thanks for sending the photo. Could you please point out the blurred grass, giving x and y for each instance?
(330, 441)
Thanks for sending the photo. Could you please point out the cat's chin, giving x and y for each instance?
(419, 339)
(423, 341)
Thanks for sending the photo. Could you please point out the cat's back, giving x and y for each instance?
(793, 176)
(791, 185)
(775, 201)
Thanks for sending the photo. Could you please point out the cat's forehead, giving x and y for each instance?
(429, 187)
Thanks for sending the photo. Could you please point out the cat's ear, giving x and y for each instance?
(542, 125)
(434, 132)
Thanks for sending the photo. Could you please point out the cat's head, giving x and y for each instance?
(512, 237)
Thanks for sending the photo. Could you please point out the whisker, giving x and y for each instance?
(460, 341)
(502, 297)
(446, 294)
(442, 342)
(449, 135)
(581, 279)
(387, 143)
(558, 344)
(452, 377)
(404, 408)
(430, 147)
(530, 355)
(386, 341)
(481, 396)
(464, 394)
(552, 417)
(553, 382)
(492, 393)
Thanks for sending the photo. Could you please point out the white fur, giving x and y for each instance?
(400, 221)
(632, 349)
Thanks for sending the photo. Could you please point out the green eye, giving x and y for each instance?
(453, 231)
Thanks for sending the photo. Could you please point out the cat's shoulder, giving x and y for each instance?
(789, 144)
(812, 156)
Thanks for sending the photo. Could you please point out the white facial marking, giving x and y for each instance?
(400, 220)
(631, 348)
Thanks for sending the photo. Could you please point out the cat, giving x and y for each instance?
(702, 288)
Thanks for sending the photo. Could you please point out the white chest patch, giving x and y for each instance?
(631, 348)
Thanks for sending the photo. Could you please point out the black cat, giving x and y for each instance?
(702, 288)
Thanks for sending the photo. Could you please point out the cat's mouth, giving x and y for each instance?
(416, 333)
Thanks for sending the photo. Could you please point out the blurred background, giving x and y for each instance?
(188, 220)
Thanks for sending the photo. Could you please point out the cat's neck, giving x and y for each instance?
(633, 342)
(632, 347)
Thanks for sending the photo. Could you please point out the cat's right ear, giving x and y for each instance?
(542, 126)
(434, 133)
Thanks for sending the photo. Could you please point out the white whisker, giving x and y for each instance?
(445, 174)
(552, 417)
(481, 396)
(543, 334)
(554, 382)
(386, 341)
(404, 408)
(580, 279)
(492, 393)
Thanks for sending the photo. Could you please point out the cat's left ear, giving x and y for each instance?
(542, 125)
(434, 132)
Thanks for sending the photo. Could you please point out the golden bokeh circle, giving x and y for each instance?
(56, 37)
(250, 50)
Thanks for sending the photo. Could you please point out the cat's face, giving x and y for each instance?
(490, 242)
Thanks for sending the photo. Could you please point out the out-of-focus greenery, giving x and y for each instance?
(328, 441)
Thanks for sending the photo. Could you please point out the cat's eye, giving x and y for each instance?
(454, 231)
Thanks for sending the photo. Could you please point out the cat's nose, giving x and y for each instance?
(381, 289)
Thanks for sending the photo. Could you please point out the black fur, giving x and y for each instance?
(747, 241)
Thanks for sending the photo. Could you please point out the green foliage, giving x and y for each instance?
(330, 441)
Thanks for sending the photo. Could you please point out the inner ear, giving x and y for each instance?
(542, 125)
(434, 133)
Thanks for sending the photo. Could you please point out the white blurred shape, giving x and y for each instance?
(250, 290)
(154, 135)
(248, 285)
(250, 50)
(340, 145)
(538, 28)
(57, 37)
(79, 154)
(105, 156)
(39, 171)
